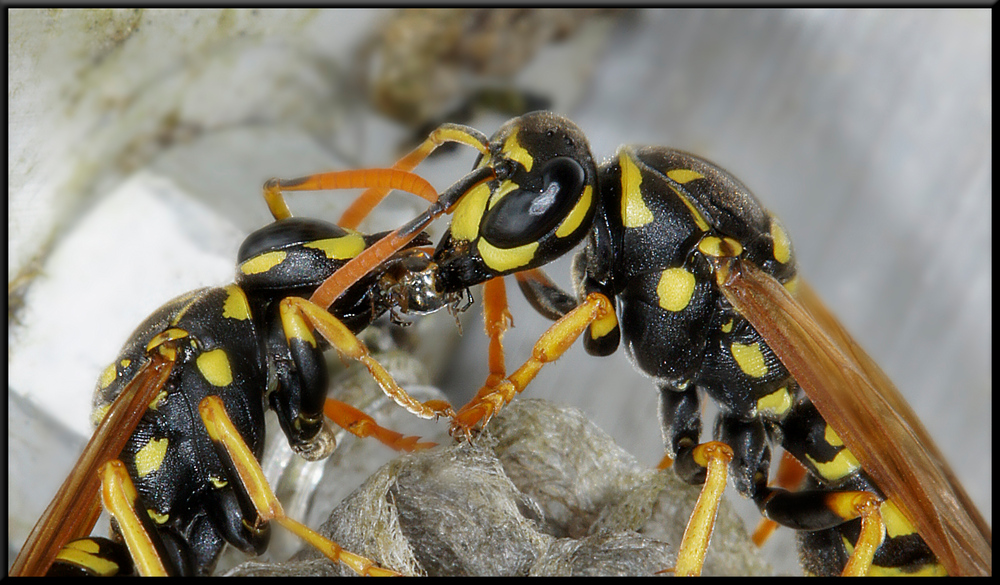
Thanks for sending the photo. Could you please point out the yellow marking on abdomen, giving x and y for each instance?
(675, 289)
(750, 359)
(214, 366)
(150, 457)
(782, 245)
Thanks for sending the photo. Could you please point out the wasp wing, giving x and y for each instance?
(76, 506)
(863, 406)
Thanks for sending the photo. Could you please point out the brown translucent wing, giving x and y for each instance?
(76, 506)
(863, 406)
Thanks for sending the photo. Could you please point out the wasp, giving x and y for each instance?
(180, 412)
(684, 267)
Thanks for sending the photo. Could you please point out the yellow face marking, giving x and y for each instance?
(634, 211)
(342, 248)
(782, 245)
(503, 189)
(675, 289)
(83, 553)
(469, 212)
(776, 403)
(513, 150)
(214, 366)
(157, 517)
(107, 377)
(263, 263)
(718, 247)
(750, 359)
(506, 259)
(150, 457)
(684, 175)
(576, 215)
(236, 305)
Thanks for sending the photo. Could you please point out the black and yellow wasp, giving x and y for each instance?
(684, 266)
(181, 409)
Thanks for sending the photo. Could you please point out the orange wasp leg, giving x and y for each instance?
(387, 179)
(361, 425)
(222, 432)
(691, 554)
(298, 316)
(850, 505)
(550, 347)
(367, 201)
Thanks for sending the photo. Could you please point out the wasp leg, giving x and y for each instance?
(550, 347)
(368, 200)
(715, 457)
(789, 476)
(387, 179)
(299, 315)
(244, 465)
(361, 425)
(544, 295)
(119, 495)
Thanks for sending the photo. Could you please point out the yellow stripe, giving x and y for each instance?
(236, 305)
(684, 175)
(513, 150)
(469, 212)
(506, 259)
(576, 215)
(342, 248)
(634, 211)
(782, 245)
(263, 262)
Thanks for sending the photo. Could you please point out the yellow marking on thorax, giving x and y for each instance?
(469, 212)
(750, 359)
(634, 211)
(214, 366)
(684, 175)
(342, 248)
(155, 404)
(782, 245)
(727, 326)
(718, 247)
(236, 305)
(157, 517)
(506, 259)
(792, 286)
(97, 415)
(263, 262)
(150, 457)
(776, 403)
(675, 289)
(576, 215)
(513, 150)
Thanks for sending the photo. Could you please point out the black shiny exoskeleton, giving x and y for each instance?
(235, 345)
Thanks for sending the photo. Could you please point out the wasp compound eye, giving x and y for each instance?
(524, 216)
